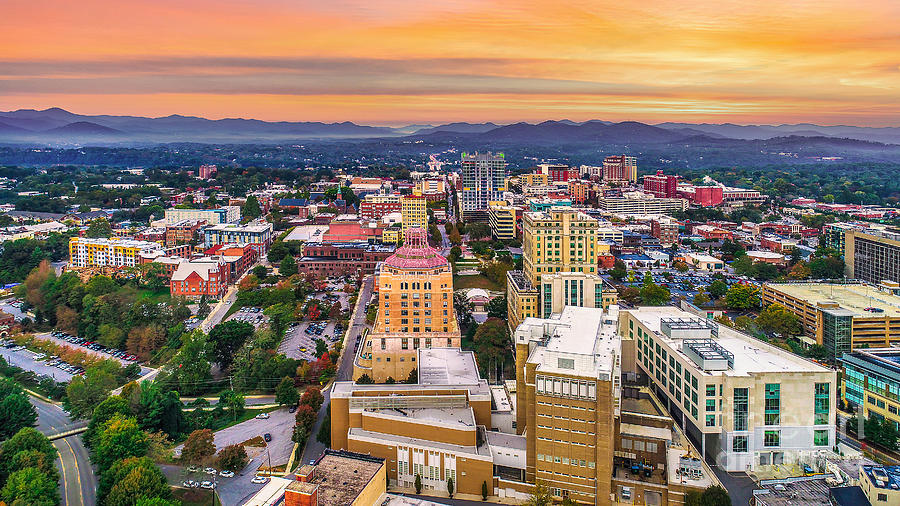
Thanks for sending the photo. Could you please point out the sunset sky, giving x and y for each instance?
(430, 61)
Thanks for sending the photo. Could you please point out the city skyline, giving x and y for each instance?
(820, 62)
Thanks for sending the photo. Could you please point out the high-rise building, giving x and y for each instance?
(661, 185)
(567, 393)
(560, 173)
(871, 382)
(375, 205)
(225, 214)
(483, 177)
(557, 241)
(562, 289)
(620, 168)
(502, 218)
(413, 212)
(415, 310)
(872, 255)
(640, 203)
(207, 171)
(746, 402)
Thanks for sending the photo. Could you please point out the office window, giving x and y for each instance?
(710, 420)
(710, 404)
(820, 437)
(739, 444)
(710, 390)
(772, 438)
(822, 404)
(741, 408)
(773, 404)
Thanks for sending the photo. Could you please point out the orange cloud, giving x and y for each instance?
(393, 61)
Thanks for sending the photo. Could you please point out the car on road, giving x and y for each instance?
(210, 470)
(189, 484)
(226, 474)
(262, 416)
(267, 437)
(292, 409)
(208, 485)
(259, 479)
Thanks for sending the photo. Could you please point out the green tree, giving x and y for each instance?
(27, 448)
(540, 496)
(776, 319)
(15, 410)
(232, 401)
(109, 407)
(717, 289)
(701, 299)
(450, 487)
(198, 446)
(742, 296)
(84, 393)
(251, 210)
(655, 295)
(232, 458)
(324, 435)
(121, 438)
(288, 266)
(619, 271)
(827, 267)
(142, 482)
(99, 227)
(277, 252)
(478, 231)
(161, 410)
(492, 348)
(413, 377)
(365, 379)
(418, 484)
(484, 491)
(227, 338)
(260, 271)
(30, 487)
(497, 308)
(286, 393)
(189, 368)
(203, 308)
(156, 501)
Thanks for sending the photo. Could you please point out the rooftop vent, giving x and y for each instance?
(708, 354)
(685, 328)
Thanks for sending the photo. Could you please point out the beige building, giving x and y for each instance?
(872, 255)
(563, 289)
(744, 402)
(841, 316)
(414, 212)
(415, 310)
(557, 241)
(502, 218)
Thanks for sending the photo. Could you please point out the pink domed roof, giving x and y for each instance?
(416, 253)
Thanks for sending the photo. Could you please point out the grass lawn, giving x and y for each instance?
(194, 496)
(477, 281)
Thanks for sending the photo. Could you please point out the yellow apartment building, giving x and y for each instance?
(112, 252)
(414, 212)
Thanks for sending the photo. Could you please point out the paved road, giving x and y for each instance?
(219, 310)
(78, 484)
(280, 425)
(25, 360)
(314, 448)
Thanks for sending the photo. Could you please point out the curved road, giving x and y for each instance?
(78, 483)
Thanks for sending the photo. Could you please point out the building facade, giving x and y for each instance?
(742, 401)
(414, 212)
(226, 214)
(502, 218)
(483, 176)
(257, 234)
(375, 206)
(329, 259)
(114, 252)
(872, 255)
(620, 168)
(562, 289)
(415, 310)
(871, 382)
(661, 185)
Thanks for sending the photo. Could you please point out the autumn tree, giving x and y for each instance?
(143, 341)
(232, 458)
(198, 446)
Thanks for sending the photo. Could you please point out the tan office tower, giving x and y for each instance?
(568, 394)
(415, 310)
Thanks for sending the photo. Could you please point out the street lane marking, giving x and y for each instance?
(65, 481)
(77, 471)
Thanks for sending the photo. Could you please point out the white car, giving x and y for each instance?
(208, 484)
(259, 479)
(210, 470)
(189, 484)
(262, 416)
(226, 474)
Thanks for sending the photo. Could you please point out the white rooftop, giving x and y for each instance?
(586, 336)
(750, 355)
(447, 366)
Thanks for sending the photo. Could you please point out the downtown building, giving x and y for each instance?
(483, 176)
(620, 168)
(872, 255)
(415, 310)
(563, 242)
(225, 214)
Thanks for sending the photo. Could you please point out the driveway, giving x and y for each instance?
(280, 425)
(25, 360)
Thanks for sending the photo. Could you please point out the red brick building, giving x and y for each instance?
(661, 185)
(667, 231)
(198, 278)
(183, 232)
(326, 259)
(375, 207)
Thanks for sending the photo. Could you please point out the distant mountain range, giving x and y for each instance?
(57, 126)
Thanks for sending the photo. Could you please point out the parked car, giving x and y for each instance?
(262, 416)
(208, 485)
(193, 469)
(226, 474)
(210, 470)
(267, 437)
(189, 484)
(259, 479)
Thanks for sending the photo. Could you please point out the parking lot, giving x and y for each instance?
(25, 359)
(300, 341)
(252, 315)
(234, 490)
(13, 307)
(88, 347)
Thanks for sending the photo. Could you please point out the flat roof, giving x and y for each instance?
(800, 491)
(505, 440)
(750, 355)
(585, 336)
(852, 296)
(457, 418)
(357, 433)
(340, 478)
(447, 366)
(645, 431)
